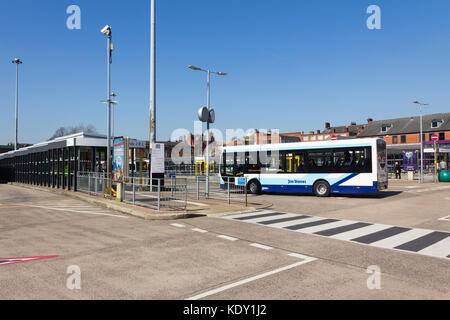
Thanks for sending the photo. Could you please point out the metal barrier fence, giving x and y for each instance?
(228, 191)
(92, 183)
(160, 194)
(171, 192)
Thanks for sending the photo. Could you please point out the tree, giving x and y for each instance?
(65, 131)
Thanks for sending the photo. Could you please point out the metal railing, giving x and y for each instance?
(228, 191)
(170, 193)
(93, 183)
(161, 193)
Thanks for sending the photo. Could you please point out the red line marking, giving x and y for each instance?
(26, 259)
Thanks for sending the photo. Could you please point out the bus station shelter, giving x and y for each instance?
(55, 163)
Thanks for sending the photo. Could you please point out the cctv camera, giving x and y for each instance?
(106, 30)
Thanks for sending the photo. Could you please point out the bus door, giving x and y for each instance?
(200, 167)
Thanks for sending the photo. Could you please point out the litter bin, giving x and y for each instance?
(444, 176)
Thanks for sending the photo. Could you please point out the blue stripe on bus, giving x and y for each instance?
(336, 187)
(309, 189)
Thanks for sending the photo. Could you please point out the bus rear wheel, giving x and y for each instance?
(322, 188)
(254, 187)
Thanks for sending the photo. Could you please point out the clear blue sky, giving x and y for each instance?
(292, 64)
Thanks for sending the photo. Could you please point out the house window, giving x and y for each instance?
(394, 140)
(436, 123)
(385, 127)
(441, 135)
(403, 139)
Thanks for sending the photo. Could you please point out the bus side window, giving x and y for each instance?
(299, 162)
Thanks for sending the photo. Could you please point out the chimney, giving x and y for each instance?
(327, 125)
(318, 132)
(353, 123)
(369, 120)
(311, 132)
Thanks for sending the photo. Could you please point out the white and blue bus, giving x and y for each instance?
(323, 168)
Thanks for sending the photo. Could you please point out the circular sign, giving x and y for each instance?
(435, 137)
(212, 116)
(333, 138)
(203, 114)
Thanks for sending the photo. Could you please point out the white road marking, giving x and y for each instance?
(301, 256)
(226, 237)
(327, 226)
(295, 222)
(239, 283)
(178, 225)
(401, 238)
(447, 218)
(349, 235)
(199, 230)
(77, 211)
(447, 198)
(287, 215)
(248, 214)
(261, 246)
(439, 249)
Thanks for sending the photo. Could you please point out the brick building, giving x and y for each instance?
(403, 134)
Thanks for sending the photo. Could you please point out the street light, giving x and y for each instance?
(107, 31)
(209, 118)
(16, 143)
(421, 139)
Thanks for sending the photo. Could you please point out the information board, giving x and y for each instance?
(157, 163)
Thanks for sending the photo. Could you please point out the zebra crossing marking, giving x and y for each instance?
(421, 241)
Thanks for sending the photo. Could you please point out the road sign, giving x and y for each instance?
(435, 137)
(333, 138)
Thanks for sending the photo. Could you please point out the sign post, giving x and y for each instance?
(435, 138)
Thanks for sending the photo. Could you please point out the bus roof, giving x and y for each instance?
(306, 145)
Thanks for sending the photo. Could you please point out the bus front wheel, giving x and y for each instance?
(254, 187)
(322, 188)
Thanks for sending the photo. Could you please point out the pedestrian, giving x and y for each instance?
(398, 171)
(442, 165)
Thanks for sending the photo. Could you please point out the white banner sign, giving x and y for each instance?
(157, 164)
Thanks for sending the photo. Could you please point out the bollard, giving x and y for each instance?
(246, 203)
(89, 184)
(159, 194)
(185, 196)
(171, 186)
(134, 193)
(198, 185)
(229, 191)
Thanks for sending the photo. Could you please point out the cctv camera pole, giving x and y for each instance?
(108, 149)
(16, 143)
(152, 82)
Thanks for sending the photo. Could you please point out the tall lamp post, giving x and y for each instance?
(421, 139)
(152, 138)
(208, 106)
(16, 142)
(107, 31)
